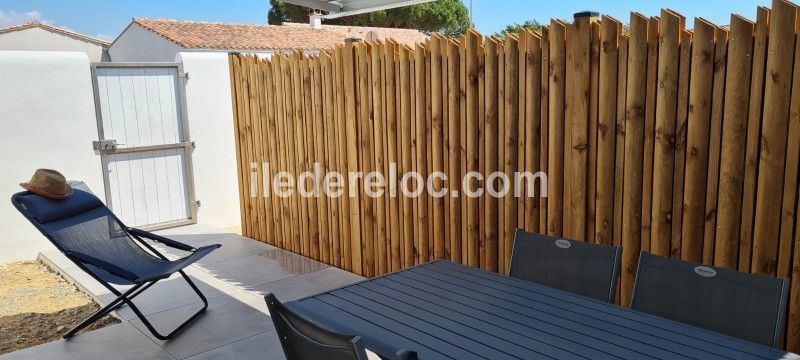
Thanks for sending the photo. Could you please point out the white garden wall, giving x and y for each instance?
(208, 101)
(48, 121)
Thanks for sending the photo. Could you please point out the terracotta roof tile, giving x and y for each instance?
(57, 30)
(215, 35)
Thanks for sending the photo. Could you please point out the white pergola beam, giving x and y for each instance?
(342, 8)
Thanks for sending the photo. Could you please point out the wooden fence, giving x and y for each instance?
(681, 143)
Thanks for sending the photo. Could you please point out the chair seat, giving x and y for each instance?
(166, 268)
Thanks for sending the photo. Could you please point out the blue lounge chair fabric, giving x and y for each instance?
(89, 234)
(746, 306)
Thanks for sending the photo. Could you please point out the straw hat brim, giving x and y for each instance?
(37, 190)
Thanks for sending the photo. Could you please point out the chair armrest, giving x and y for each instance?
(169, 242)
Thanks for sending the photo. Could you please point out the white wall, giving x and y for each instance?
(39, 39)
(139, 44)
(208, 101)
(48, 121)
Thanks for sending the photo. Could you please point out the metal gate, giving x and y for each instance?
(144, 143)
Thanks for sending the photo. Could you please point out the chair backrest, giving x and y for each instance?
(747, 306)
(303, 340)
(87, 232)
(585, 269)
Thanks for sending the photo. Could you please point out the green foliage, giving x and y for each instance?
(515, 29)
(449, 17)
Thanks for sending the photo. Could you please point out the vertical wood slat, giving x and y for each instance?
(594, 99)
(331, 147)
(753, 138)
(715, 145)
(437, 144)
(555, 152)
(532, 61)
(619, 161)
(610, 31)
(343, 156)
(700, 94)
(771, 169)
(511, 118)
(482, 157)
(576, 136)
(236, 93)
(405, 148)
(379, 134)
(472, 117)
(649, 129)
(634, 162)
(671, 27)
(501, 145)
(454, 156)
(544, 121)
(422, 153)
(392, 158)
(491, 137)
(732, 154)
(352, 150)
(311, 151)
(303, 243)
(271, 129)
(681, 125)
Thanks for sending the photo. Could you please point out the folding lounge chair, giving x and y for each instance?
(90, 235)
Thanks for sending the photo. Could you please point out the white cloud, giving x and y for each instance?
(11, 17)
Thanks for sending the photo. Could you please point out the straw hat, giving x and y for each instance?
(48, 183)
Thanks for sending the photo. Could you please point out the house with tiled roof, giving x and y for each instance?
(162, 39)
(38, 36)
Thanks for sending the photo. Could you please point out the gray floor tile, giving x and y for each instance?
(264, 346)
(167, 294)
(120, 341)
(308, 284)
(233, 247)
(264, 267)
(226, 321)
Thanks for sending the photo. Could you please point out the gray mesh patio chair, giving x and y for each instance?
(301, 339)
(746, 306)
(90, 235)
(585, 269)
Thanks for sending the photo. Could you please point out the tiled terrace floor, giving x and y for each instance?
(236, 325)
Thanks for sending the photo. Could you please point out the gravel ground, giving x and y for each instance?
(38, 306)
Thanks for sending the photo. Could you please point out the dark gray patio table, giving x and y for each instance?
(444, 310)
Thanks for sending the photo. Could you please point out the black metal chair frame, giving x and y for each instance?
(126, 297)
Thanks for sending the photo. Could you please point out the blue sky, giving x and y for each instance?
(107, 18)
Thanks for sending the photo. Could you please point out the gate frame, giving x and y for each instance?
(187, 145)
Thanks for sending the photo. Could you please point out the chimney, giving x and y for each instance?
(592, 15)
(315, 21)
